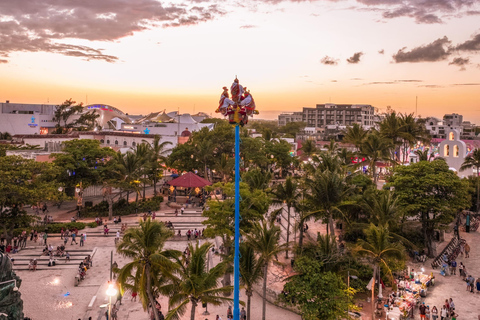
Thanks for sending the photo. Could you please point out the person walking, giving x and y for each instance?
(74, 238)
(422, 310)
(452, 305)
(467, 250)
(427, 313)
(45, 236)
(443, 313)
(453, 267)
(434, 313)
(243, 314)
(467, 224)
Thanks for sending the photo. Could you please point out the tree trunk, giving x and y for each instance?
(128, 195)
(478, 190)
(192, 312)
(155, 186)
(330, 222)
(149, 292)
(249, 294)
(144, 187)
(300, 238)
(264, 303)
(110, 204)
(428, 231)
(288, 230)
(373, 293)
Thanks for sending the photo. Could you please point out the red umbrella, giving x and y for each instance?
(189, 180)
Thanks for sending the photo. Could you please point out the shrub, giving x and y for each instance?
(92, 224)
(122, 207)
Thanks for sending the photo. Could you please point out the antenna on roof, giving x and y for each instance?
(416, 105)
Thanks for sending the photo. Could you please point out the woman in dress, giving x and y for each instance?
(434, 313)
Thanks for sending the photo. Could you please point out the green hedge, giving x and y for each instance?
(122, 207)
(52, 227)
(92, 224)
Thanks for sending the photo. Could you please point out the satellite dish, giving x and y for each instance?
(60, 189)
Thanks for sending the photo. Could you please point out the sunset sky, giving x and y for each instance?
(147, 55)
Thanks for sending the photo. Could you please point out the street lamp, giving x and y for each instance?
(15, 288)
(111, 292)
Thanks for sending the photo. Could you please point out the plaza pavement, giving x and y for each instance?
(44, 291)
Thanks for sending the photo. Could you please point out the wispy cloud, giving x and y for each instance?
(461, 62)
(381, 51)
(248, 26)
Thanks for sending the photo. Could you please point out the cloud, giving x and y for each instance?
(3, 61)
(248, 26)
(355, 58)
(378, 82)
(356, 79)
(461, 62)
(422, 11)
(381, 51)
(466, 84)
(470, 45)
(41, 25)
(329, 61)
(433, 86)
(436, 51)
(408, 80)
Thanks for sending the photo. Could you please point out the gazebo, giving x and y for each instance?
(189, 181)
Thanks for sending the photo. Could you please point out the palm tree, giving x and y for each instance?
(309, 148)
(195, 283)
(257, 179)
(143, 246)
(382, 207)
(129, 166)
(5, 136)
(473, 160)
(264, 239)
(355, 135)
(423, 155)
(157, 158)
(287, 193)
(225, 166)
(379, 249)
(328, 192)
(391, 128)
(414, 130)
(375, 148)
(251, 270)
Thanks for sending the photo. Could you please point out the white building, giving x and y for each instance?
(454, 151)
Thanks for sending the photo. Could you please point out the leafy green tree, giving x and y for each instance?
(473, 161)
(379, 249)
(291, 129)
(391, 128)
(63, 113)
(288, 194)
(196, 283)
(144, 246)
(318, 294)
(87, 121)
(413, 131)
(82, 161)
(23, 182)
(5, 136)
(251, 271)
(253, 153)
(129, 166)
(431, 192)
(264, 238)
(280, 150)
(424, 155)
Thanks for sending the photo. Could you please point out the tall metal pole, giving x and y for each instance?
(236, 284)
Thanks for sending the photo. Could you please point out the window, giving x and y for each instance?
(455, 151)
(446, 150)
(451, 136)
(108, 141)
(133, 144)
(125, 142)
(116, 142)
(102, 141)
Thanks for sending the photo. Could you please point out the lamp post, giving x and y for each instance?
(111, 292)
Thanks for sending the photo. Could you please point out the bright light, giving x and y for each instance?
(423, 269)
(111, 291)
(56, 281)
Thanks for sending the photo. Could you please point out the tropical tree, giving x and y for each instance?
(355, 135)
(63, 113)
(375, 148)
(196, 283)
(432, 193)
(413, 131)
(157, 158)
(328, 194)
(257, 179)
(391, 128)
(287, 193)
(129, 166)
(379, 249)
(251, 271)
(308, 148)
(424, 155)
(5, 136)
(264, 239)
(473, 161)
(144, 246)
